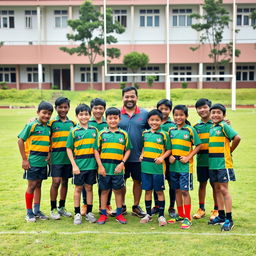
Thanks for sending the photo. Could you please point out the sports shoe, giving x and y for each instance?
(162, 221)
(63, 212)
(113, 213)
(146, 219)
(102, 220)
(120, 218)
(214, 214)
(30, 218)
(109, 210)
(90, 217)
(228, 225)
(83, 209)
(78, 219)
(174, 220)
(172, 213)
(186, 224)
(199, 214)
(40, 215)
(137, 211)
(124, 210)
(217, 221)
(155, 210)
(54, 214)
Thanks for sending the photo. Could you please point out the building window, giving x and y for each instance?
(61, 18)
(150, 69)
(85, 74)
(8, 74)
(121, 17)
(32, 75)
(181, 17)
(120, 70)
(149, 18)
(29, 14)
(182, 71)
(210, 70)
(7, 19)
(245, 73)
(244, 17)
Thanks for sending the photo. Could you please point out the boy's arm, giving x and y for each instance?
(141, 155)
(160, 159)
(25, 162)
(235, 142)
(185, 159)
(120, 166)
(75, 168)
(101, 169)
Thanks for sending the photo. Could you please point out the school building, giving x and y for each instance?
(33, 30)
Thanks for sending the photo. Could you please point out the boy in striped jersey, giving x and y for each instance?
(80, 152)
(112, 149)
(34, 146)
(221, 165)
(61, 169)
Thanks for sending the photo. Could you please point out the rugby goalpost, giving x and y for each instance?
(167, 71)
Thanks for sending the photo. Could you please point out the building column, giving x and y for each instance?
(72, 78)
(200, 80)
(103, 80)
(38, 24)
(17, 69)
(167, 65)
(70, 17)
(40, 76)
(132, 27)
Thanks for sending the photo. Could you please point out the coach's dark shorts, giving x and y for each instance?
(115, 182)
(61, 170)
(167, 172)
(152, 181)
(36, 173)
(133, 169)
(202, 173)
(85, 177)
(181, 180)
(222, 175)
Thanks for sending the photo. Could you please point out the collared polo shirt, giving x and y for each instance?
(167, 125)
(99, 126)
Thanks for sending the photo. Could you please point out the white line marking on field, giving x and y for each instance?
(122, 233)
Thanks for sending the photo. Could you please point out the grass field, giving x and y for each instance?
(134, 238)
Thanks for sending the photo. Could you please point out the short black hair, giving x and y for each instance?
(155, 112)
(201, 102)
(62, 100)
(220, 107)
(166, 102)
(113, 111)
(130, 88)
(98, 102)
(184, 109)
(43, 105)
(81, 108)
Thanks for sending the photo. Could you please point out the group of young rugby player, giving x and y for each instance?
(95, 149)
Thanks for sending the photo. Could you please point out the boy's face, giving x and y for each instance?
(130, 99)
(165, 111)
(179, 117)
(113, 121)
(154, 122)
(62, 110)
(98, 111)
(203, 111)
(217, 115)
(83, 117)
(44, 115)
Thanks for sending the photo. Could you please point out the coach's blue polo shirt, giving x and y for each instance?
(134, 125)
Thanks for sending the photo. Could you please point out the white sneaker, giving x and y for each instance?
(63, 212)
(78, 219)
(54, 214)
(90, 217)
(30, 218)
(146, 219)
(162, 221)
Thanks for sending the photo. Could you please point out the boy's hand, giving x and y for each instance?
(172, 159)
(47, 159)
(159, 160)
(141, 157)
(25, 164)
(102, 171)
(184, 159)
(119, 168)
(227, 121)
(76, 170)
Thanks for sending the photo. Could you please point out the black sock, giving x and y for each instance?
(77, 209)
(201, 206)
(215, 207)
(134, 207)
(84, 195)
(161, 208)
(229, 215)
(89, 208)
(62, 203)
(156, 199)
(53, 205)
(221, 214)
(124, 206)
(172, 195)
(109, 197)
(148, 204)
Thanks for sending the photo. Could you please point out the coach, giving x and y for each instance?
(134, 121)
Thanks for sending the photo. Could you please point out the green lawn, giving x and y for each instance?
(140, 239)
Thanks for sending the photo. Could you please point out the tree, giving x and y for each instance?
(253, 17)
(213, 22)
(134, 61)
(89, 32)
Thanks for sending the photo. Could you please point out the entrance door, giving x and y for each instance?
(61, 79)
(65, 79)
(56, 78)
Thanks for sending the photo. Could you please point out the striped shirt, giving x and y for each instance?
(112, 146)
(60, 131)
(167, 125)
(99, 126)
(182, 141)
(81, 141)
(37, 142)
(155, 144)
(219, 146)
